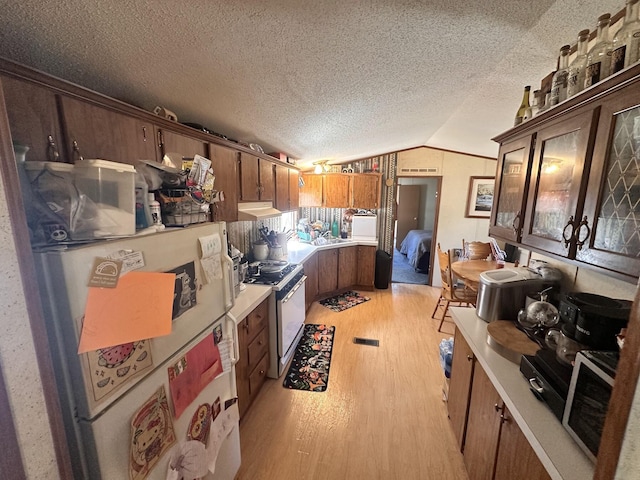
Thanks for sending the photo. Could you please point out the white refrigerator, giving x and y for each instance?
(128, 408)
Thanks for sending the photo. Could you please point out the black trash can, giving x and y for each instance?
(383, 269)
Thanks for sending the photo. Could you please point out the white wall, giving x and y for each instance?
(456, 170)
(19, 363)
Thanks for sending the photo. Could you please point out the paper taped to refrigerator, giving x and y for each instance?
(137, 309)
(112, 367)
(193, 372)
(211, 248)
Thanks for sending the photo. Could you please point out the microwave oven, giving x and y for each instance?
(364, 227)
(588, 398)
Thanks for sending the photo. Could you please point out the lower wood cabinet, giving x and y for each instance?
(253, 344)
(366, 267)
(483, 427)
(340, 269)
(493, 446)
(311, 285)
(347, 267)
(516, 458)
(327, 271)
(462, 365)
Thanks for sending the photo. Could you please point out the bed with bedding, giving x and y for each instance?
(417, 247)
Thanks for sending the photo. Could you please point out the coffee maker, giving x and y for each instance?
(596, 320)
(588, 319)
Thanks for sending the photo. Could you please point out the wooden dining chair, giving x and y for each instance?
(451, 292)
(476, 250)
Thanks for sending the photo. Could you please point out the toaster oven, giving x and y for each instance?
(588, 398)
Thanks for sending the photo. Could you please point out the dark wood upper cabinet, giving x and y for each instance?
(249, 177)
(514, 162)
(92, 131)
(178, 147)
(581, 186)
(294, 189)
(257, 179)
(282, 188)
(562, 158)
(608, 234)
(224, 162)
(34, 120)
(267, 180)
(311, 192)
(365, 190)
(336, 190)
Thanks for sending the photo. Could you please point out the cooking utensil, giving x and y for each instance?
(276, 252)
(273, 266)
(260, 250)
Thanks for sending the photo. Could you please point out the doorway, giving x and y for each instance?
(417, 202)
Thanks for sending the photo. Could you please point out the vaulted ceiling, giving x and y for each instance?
(315, 79)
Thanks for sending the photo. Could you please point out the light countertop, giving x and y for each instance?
(249, 299)
(557, 451)
(298, 252)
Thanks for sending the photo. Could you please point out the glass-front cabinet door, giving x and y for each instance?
(561, 158)
(507, 215)
(609, 233)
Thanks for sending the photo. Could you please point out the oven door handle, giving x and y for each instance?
(294, 289)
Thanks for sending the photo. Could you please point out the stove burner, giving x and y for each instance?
(273, 278)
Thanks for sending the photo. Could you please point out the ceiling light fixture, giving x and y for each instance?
(321, 167)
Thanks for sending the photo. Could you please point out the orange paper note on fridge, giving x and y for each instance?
(138, 308)
(193, 372)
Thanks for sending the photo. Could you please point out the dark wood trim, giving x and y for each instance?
(64, 87)
(10, 460)
(9, 173)
(455, 152)
(622, 397)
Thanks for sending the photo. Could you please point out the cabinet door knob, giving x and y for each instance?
(261, 372)
(497, 407)
(76, 152)
(584, 223)
(52, 151)
(469, 357)
(516, 225)
(504, 418)
(568, 238)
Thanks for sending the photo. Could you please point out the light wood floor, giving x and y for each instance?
(382, 415)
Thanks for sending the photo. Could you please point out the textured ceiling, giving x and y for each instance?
(319, 79)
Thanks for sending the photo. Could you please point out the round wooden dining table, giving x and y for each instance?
(469, 270)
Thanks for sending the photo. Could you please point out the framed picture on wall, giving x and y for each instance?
(480, 198)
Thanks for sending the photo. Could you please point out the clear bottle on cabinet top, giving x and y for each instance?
(626, 42)
(523, 106)
(559, 83)
(538, 101)
(575, 82)
(599, 57)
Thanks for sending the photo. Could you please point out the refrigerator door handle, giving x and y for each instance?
(233, 324)
(230, 298)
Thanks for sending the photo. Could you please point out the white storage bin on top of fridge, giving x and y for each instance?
(110, 206)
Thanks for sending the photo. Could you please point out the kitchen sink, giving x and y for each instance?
(329, 241)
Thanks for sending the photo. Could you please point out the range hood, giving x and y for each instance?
(257, 211)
